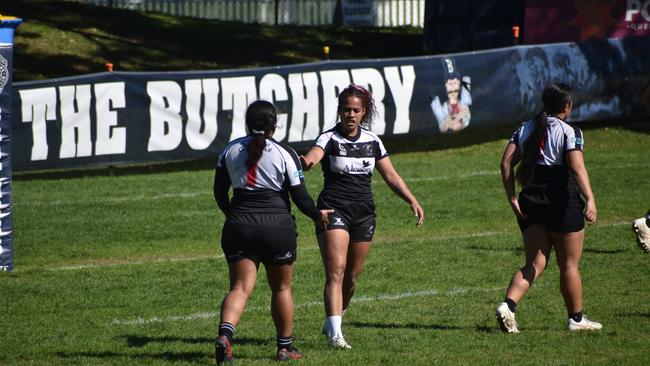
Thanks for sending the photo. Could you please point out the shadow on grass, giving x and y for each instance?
(403, 326)
(141, 341)
(193, 357)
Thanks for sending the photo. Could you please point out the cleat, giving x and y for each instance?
(284, 355)
(506, 319)
(584, 324)
(338, 342)
(642, 232)
(223, 350)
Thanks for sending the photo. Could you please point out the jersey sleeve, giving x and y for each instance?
(574, 140)
(294, 173)
(515, 137)
(221, 186)
(323, 141)
(381, 152)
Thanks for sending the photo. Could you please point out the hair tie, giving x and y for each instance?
(258, 132)
(359, 88)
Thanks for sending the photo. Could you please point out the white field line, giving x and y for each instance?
(204, 257)
(208, 192)
(360, 299)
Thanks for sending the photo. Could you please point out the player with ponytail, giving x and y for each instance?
(555, 199)
(259, 226)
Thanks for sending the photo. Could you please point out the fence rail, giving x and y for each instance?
(387, 13)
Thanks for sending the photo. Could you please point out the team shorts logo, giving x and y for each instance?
(338, 222)
(4, 72)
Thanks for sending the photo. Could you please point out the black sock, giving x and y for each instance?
(511, 304)
(577, 317)
(226, 329)
(285, 342)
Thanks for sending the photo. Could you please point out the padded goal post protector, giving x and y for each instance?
(7, 28)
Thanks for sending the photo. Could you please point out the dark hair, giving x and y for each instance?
(555, 98)
(261, 120)
(366, 100)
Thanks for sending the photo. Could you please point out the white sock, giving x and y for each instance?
(333, 326)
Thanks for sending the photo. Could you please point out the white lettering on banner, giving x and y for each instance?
(238, 93)
(164, 113)
(273, 88)
(634, 7)
(372, 80)
(201, 132)
(402, 91)
(198, 100)
(110, 139)
(304, 107)
(332, 82)
(75, 121)
(38, 106)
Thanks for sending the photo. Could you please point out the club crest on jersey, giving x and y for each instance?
(342, 150)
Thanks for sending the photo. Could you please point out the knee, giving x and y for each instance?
(335, 274)
(242, 289)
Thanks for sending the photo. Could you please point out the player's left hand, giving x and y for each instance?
(419, 213)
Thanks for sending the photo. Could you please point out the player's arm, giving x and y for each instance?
(508, 162)
(220, 189)
(397, 184)
(313, 157)
(576, 162)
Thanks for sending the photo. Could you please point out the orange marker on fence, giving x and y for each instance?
(515, 33)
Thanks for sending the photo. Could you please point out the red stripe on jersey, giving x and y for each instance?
(251, 176)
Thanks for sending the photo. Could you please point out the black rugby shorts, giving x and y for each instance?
(355, 217)
(271, 237)
(559, 213)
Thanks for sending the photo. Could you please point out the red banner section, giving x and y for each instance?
(549, 21)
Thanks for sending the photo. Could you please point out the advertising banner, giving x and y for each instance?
(6, 93)
(126, 117)
(548, 21)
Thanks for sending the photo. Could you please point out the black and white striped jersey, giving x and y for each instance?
(552, 171)
(349, 162)
(559, 139)
(263, 187)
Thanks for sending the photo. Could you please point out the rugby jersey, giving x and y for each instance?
(264, 186)
(349, 162)
(560, 138)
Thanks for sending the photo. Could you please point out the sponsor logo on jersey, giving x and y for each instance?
(299, 174)
(366, 169)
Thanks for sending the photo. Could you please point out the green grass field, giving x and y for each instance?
(128, 270)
